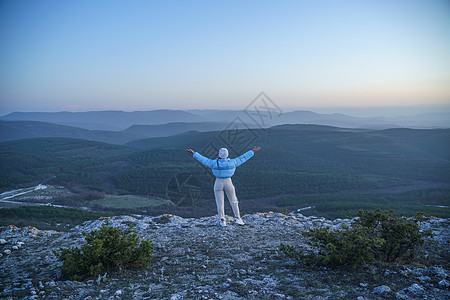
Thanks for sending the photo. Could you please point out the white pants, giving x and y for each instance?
(221, 185)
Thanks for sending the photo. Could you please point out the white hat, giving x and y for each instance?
(223, 153)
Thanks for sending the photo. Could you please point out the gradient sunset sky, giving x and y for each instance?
(143, 55)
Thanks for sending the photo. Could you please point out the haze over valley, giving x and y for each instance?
(307, 161)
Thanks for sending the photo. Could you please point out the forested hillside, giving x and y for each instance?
(17, 130)
(334, 169)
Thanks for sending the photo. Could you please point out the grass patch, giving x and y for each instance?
(128, 201)
(46, 217)
(343, 205)
(349, 209)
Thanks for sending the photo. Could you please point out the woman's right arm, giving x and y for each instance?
(203, 160)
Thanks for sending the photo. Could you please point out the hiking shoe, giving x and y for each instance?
(239, 221)
(223, 223)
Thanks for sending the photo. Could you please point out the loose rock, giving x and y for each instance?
(381, 290)
(416, 289)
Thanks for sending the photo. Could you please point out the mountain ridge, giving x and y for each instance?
(17, 130)
(111, 119)
(121, 120)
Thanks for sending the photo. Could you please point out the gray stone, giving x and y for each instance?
(416, 289)
(175, 297)
(423, 279)
(381, 290)
(389, 272)
(225, 285)
(437, 272)
(269, 282)
(401, 295)
(444, 283)
(253, 293)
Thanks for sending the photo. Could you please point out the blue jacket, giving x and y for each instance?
(223, 167)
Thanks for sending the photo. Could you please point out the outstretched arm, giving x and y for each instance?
(203, 160)
(246, 156)
(256, 149)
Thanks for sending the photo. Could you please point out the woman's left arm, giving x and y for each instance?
(244, 157)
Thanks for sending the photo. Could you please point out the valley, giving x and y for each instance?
(336, 170)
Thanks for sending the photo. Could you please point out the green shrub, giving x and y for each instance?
(106, 250)
(373, 236)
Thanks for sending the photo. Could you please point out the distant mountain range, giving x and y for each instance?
(169, 129)
(17, 130)
(204, 119)
(116, 127)
(105, 120)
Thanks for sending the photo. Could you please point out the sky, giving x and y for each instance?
(143, 55)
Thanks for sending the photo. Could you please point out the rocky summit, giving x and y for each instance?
(198, 259)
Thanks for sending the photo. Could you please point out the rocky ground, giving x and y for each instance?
(197, 259)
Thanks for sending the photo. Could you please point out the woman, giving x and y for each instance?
(223, 168)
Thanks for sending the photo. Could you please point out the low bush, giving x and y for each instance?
(106, 250)
(373, 236)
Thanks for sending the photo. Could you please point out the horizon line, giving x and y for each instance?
(350, 110)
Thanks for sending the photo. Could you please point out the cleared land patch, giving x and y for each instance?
(129, 201)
